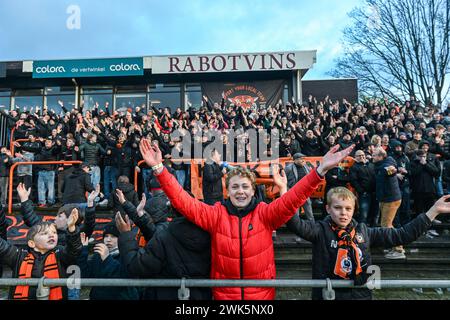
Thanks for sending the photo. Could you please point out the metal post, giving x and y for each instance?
(183, 292)
(42, 292)
(77, 97)
(328, 292)
(299, 87)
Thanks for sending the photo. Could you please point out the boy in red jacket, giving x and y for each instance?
(241, 228)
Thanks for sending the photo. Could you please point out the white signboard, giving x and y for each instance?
(294, 60)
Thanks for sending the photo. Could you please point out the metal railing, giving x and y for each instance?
(327, 285)
(13, 167)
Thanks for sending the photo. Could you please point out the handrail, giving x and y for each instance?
(136, 175)
(11, 175)
(184, 283)
(11, 137)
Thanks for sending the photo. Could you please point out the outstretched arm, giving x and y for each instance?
(282, 209)
(389, 237)
(201, 214)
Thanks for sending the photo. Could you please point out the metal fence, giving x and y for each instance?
(327, 285)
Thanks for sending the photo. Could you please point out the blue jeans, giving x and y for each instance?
(46, 182)
(439, 187)
(110, 180)
(73, 294)
(364, 203)
(181, 177)
(403, 215)
(95, 175)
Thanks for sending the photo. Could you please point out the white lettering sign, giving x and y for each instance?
(234, 62)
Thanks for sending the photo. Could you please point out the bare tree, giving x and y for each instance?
(399, 48)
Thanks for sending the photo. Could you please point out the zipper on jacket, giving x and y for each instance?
(241, 259)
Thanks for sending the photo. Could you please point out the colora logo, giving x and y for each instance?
(48, 69)
(124, 67)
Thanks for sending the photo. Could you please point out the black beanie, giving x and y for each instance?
(111, 228)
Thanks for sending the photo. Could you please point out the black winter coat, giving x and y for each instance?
(423, 176)
(75, 186)
(183, 250)
(324, 251)
(212, 181)
(362, 177)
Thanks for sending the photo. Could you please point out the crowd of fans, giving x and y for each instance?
(401, 152)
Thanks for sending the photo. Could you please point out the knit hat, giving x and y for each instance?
(111, 228)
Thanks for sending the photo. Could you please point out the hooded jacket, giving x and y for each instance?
(241, 240)
(75, 187)
(182, 250)
(388, 189)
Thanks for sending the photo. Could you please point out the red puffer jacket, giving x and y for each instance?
(241, 247)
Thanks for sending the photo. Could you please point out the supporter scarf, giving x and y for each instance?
(348, 253)
(50, 271)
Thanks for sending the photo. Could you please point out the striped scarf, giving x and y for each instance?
(50, 271)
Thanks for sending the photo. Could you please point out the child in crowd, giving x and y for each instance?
(42, 258)
(105, 264)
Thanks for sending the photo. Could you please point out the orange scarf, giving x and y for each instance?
(347, 249)
(50, 271)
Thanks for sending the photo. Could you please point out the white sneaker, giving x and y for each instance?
(429, 236)
(433, 233)
(103, 203)
(395, 255)
(439, 291)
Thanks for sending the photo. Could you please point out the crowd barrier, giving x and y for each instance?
(184, 284)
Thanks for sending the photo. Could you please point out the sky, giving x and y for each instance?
(37, 29)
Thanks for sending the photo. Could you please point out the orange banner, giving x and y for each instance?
(263, 175)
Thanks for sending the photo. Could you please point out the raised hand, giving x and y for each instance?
(102, 250)
(94, 194)
(23, 193)
(333, 158)
(440, 206)
(72, 220)
(140, 208)
(280, 179)
(84, 239)
(122, 225)
(150, 153)
(121, 196)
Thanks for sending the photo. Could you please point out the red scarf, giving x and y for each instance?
(50, 271)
